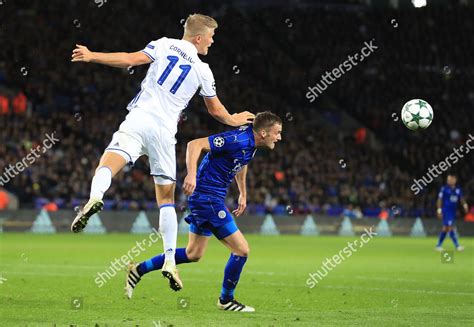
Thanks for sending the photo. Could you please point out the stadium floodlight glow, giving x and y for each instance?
(418, 3)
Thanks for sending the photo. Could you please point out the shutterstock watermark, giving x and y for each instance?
(329, 77)
(120, 263)
(14, 170)
(346, 252)
(443, 165)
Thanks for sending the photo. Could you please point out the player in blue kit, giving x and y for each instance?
(227, 158)
(449, 197)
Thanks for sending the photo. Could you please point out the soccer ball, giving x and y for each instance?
(417, 114)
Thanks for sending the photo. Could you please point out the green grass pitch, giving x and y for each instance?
(49, 281)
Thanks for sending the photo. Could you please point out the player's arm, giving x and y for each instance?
(439, 203)
(464, 205)
(217, 110)
(114, 59)
(193, 152)
(240, 178)
(439, 211)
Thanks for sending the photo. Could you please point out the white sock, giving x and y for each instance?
(101, 182)
(169, 231)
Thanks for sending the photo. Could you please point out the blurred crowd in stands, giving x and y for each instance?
(260, 62)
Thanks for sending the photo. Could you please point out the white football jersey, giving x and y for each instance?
(173, 77)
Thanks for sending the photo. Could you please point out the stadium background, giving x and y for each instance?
(264, 58)
(345, 154)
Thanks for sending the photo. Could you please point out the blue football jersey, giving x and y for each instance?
(450, 198)
(230, 151)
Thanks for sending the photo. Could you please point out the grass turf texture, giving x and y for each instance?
(390, 281)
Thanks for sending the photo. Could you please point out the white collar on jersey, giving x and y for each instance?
(190, 46)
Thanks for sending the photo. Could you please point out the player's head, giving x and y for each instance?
(199, 30)
(267, 128)
(451, 180)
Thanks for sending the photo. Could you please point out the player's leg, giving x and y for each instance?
(197, 244)
(239, 252)
(452, 235)
(239, 248)
(110, 164)
(126, 146)
(168, 229)
(442, 236)
(164, 189)
(193, 251)
(160, 147)
(168, 218)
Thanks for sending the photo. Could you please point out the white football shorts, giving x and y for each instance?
(139, 134)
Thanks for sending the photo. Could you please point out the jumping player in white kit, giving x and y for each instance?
(174, 76)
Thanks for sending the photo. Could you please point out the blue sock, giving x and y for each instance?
(442, 236)
(157, 262)
(452, 234)
(231, 276)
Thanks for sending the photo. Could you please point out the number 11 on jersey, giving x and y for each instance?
(185, 70)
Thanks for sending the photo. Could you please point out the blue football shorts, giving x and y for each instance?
(448, 219)
(209, 216)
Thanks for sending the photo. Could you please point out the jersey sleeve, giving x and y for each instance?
(208, 84)
(152, 48)
(223, 143)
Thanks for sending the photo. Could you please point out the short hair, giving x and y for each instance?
(197, 24)
(264, 120)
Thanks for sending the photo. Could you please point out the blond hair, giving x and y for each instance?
(197, 24)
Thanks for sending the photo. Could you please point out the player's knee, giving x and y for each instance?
(243, 251)
(164, 193)
(106, 168)
(194, 255)
(165, 199)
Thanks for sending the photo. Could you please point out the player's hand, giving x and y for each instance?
(242, 205)
(243, 118)
(466, 208)
(439, 215)
(189, 184)
(81, 53)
